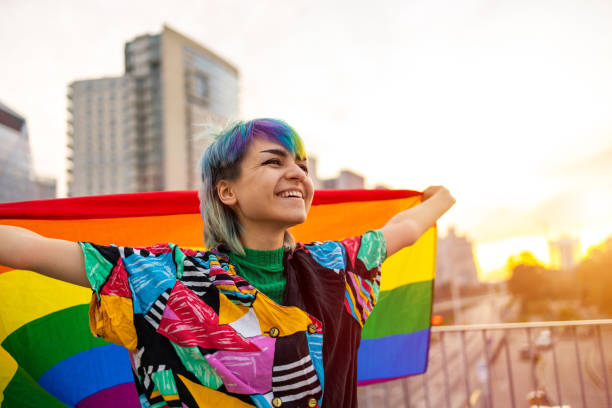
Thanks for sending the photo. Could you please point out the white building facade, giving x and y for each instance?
(146, 130)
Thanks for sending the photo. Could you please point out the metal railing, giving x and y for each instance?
(558, 364)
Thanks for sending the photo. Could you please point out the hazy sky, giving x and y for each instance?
(507, 103)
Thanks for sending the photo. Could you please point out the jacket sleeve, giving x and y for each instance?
(364, 256)
(126, 281)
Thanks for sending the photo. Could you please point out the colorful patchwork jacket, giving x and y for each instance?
(199, 335)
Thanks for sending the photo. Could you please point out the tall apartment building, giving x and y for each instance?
(102, 137)
(455, 260)
(146, 130)
(17, 179)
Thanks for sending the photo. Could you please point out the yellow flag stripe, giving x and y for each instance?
(25, 297)
(420, 259)
(8, 368)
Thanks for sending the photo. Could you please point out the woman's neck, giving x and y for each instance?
(262, 237)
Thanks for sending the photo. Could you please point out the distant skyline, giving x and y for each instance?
(505, 103)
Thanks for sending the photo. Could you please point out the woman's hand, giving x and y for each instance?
(406, 227)
(432, 190)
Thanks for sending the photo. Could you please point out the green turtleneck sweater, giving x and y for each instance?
(264, 270)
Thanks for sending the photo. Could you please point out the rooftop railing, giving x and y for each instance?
(538, 364)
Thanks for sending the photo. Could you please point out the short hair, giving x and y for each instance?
(221, 161)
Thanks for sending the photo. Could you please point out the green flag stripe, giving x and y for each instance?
(44, 342)
(405, 309)
(24, 392)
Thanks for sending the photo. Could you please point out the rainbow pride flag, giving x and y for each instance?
(49, 358)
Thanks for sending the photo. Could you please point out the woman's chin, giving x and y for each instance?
(296, 220)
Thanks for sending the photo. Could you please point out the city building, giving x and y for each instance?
(102, 137)
(46, 187)
(18, 182)
(564, 252)
(146, 130)
(455, 261)
(346, 180)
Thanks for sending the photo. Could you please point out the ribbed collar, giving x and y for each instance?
(271, 261)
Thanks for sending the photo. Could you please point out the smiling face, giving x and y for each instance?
(273, 189)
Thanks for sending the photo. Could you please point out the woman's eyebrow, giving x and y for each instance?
(278, 152)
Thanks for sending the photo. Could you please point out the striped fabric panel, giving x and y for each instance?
(294, 381)
(155, 313)
(350, 305)
(194, 277)
(359, 297)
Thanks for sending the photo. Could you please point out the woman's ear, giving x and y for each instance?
(226, 193)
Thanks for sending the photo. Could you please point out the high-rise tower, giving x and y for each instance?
(144, 131)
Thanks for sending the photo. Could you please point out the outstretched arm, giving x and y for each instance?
(406, 227)
(56, 258)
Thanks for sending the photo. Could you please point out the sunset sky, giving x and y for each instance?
(506, 103)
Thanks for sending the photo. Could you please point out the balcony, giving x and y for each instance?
(556, 364)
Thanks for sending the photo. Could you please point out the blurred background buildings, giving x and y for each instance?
(564, 253)
(455, 260)
(18, 181)
(346, 180)
(145, 130)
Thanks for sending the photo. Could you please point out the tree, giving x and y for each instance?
(529, 279)
(528, 282)
(594, 274)
(524, 258)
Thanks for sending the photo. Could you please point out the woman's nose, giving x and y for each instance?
(296, 172)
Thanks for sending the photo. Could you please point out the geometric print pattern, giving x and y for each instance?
(205, 335)
(154, 315)
(359, 258)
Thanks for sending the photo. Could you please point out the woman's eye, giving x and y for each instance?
(272, 161)
(305, 168)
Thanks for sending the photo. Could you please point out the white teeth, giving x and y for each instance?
(286, 194)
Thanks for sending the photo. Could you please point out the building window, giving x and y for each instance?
(200, 86)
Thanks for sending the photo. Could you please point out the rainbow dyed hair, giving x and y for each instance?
(221, 161)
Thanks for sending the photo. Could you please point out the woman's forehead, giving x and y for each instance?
(260, 146)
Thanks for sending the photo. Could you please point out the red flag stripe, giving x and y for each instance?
(159, 203)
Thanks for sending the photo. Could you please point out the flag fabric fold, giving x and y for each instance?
(48, 356)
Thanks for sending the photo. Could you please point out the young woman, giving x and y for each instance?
(256, 320)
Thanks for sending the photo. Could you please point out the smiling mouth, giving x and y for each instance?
(291, 194)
